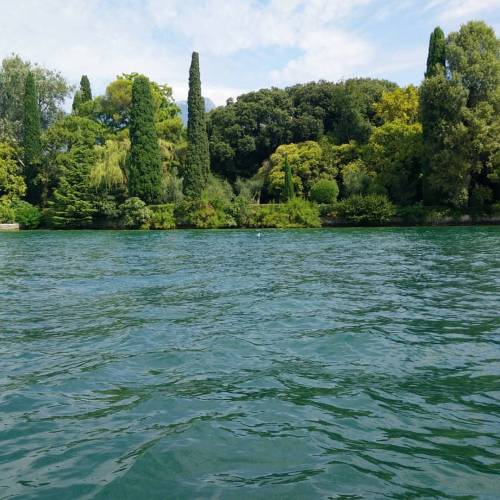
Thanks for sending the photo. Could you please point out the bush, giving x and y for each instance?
(367, 209)
(135, 214)
(324, 191)
(7, 212)
(162, 216)
(27, 215)
(295, 213)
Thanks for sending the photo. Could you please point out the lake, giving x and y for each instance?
(330, 363)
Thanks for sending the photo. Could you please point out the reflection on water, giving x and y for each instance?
(301, 364)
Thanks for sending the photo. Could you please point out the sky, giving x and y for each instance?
(243, 44)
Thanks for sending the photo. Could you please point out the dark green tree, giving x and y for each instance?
(145, 169)
(31, 136)
(436, 58)
(83, 94)
(197, 167)
(85, 89)
(288, 192)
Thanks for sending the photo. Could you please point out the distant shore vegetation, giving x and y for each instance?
(358, 151)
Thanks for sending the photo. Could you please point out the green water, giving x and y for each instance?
(349, 363)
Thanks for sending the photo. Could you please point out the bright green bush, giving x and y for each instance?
(7, 212)
(324, 191)
(295, 213)
(162, 216)
(27, 215)
(366, 209)
(135, 214)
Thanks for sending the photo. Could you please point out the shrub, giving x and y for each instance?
(27, 215)
(324, 191)
(367, 209)
(135, 214)
(162, 216)
(7, 212)
(295, 213)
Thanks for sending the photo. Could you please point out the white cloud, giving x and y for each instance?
(316, 38)
(453, 10)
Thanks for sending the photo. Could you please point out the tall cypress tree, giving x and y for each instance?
(197, 166)
(85, 89)
(288, 192)
(145, 158)
(31, 136)
(83, 94)
(436, 58)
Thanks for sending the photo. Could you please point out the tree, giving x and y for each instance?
(288, 192)
(308, 161)
(460, 117)
(399, 105)
(395, 153)
(113, 109)
(85, 89)
(83, 94)
(197, 166)
(145, 169)
(31, 136)
(71, 154)
(52, 91)
(12, 185)
(436, 58)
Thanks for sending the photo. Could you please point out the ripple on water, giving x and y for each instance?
(302, 364)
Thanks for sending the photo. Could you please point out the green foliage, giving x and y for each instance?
(357, 179)
(250, 189)
(31, 136)
(114, 108)
(171, 187)
(108, 171)
(324, 191)
(12, 183)
(197, 167)
(308, 161)
(400, 105)
(461, 119)
(473, 55)
(366, 209)
(70, 159)
(288, 192)
(395, 153)
(246, 132)
(436, 58)
(145, 168)
(135, 214)
(162, 216)
(295, 213)
(27, 215)
(82, 95)
(7, 212)
(52, 91)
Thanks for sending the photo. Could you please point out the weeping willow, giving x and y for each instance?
(108, 172)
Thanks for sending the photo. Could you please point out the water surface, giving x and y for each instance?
(344, 363)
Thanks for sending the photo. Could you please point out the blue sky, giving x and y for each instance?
(243, 44)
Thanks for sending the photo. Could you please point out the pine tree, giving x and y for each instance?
(288, 192)
(436, 58)
(145, 158)
(31, 136)
(197, 166)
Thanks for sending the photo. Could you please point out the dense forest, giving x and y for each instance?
(361, 150)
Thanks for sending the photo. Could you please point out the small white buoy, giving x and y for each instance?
(258, 235)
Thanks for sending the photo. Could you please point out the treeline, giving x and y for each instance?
(360, 150)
